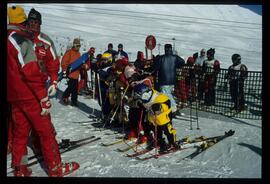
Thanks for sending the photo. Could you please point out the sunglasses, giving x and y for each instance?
(77, 45)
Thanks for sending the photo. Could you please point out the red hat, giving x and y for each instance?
(122, 61)
(190, 61)
(92, 50)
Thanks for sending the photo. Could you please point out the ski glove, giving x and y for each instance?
(45, 106)
(52, 89)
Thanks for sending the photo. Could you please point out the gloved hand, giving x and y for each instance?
(45, 106)
(64, 74)
(52, 89)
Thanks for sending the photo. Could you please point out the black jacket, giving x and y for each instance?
(166, 67)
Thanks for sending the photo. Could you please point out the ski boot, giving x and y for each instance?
(142, 139)
(22, 171)
(163, 146)
(64, 169)
(65, 101)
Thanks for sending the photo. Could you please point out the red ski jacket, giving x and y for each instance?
(44, 47)
(25, 80)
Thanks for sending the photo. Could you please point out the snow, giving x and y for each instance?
(238, 156)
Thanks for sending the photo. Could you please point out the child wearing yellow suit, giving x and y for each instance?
(159, 114)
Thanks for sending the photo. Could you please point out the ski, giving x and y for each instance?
(141, 152)
(65, 143)
(148, 149)
(209, 143)
(130, 147)
(86, 122)
(64, 150)
(169, 151)
(114, 142)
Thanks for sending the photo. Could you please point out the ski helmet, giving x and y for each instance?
(143, 92)
(34, 15)
(236, 59)
(107, 57)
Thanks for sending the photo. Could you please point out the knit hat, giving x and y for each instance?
(120, 45)
(16, 15)
(34, 15)
(110, 45)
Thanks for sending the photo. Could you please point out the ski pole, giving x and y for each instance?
(139, 126)
(100, 99)
(196, 110)
(111, 119)
(190, 103)
(121, 109)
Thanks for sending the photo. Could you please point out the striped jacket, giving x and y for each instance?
(25, 80)
(45, 49)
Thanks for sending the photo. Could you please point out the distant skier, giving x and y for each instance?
(69, 57)
(199, 75)
(83, 83)
(121, 53)
(110, 50)
(104, 70)
(210, 70)
(159, 114)
(237, 73)
(191, 78)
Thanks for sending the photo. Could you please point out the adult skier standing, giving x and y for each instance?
(210, 69)
(69, 57)
(121, 53)
(237, 73)
(166, 66)
(29, 100)
(48, 60)
(199, 75)
(110, 50)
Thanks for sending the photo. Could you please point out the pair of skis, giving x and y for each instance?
(207, 142)
(65, 145)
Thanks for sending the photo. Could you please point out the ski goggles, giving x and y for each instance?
(145, 96)
(77, 45)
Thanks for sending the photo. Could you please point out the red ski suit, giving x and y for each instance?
(44, 47)
(25, 89)
(46, 52)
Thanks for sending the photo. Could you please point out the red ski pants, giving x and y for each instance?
(26, 115)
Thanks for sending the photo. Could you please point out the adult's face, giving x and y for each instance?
(34, 26)
(77, 46)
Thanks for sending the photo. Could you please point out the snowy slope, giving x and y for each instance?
(228, 28)
(238, 156)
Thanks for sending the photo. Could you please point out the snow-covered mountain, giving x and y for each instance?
(228, 28)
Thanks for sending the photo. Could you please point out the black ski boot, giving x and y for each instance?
(163, 146)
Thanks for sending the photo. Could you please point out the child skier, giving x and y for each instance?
(159, 114)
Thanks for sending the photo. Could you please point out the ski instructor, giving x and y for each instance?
(29, 100)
